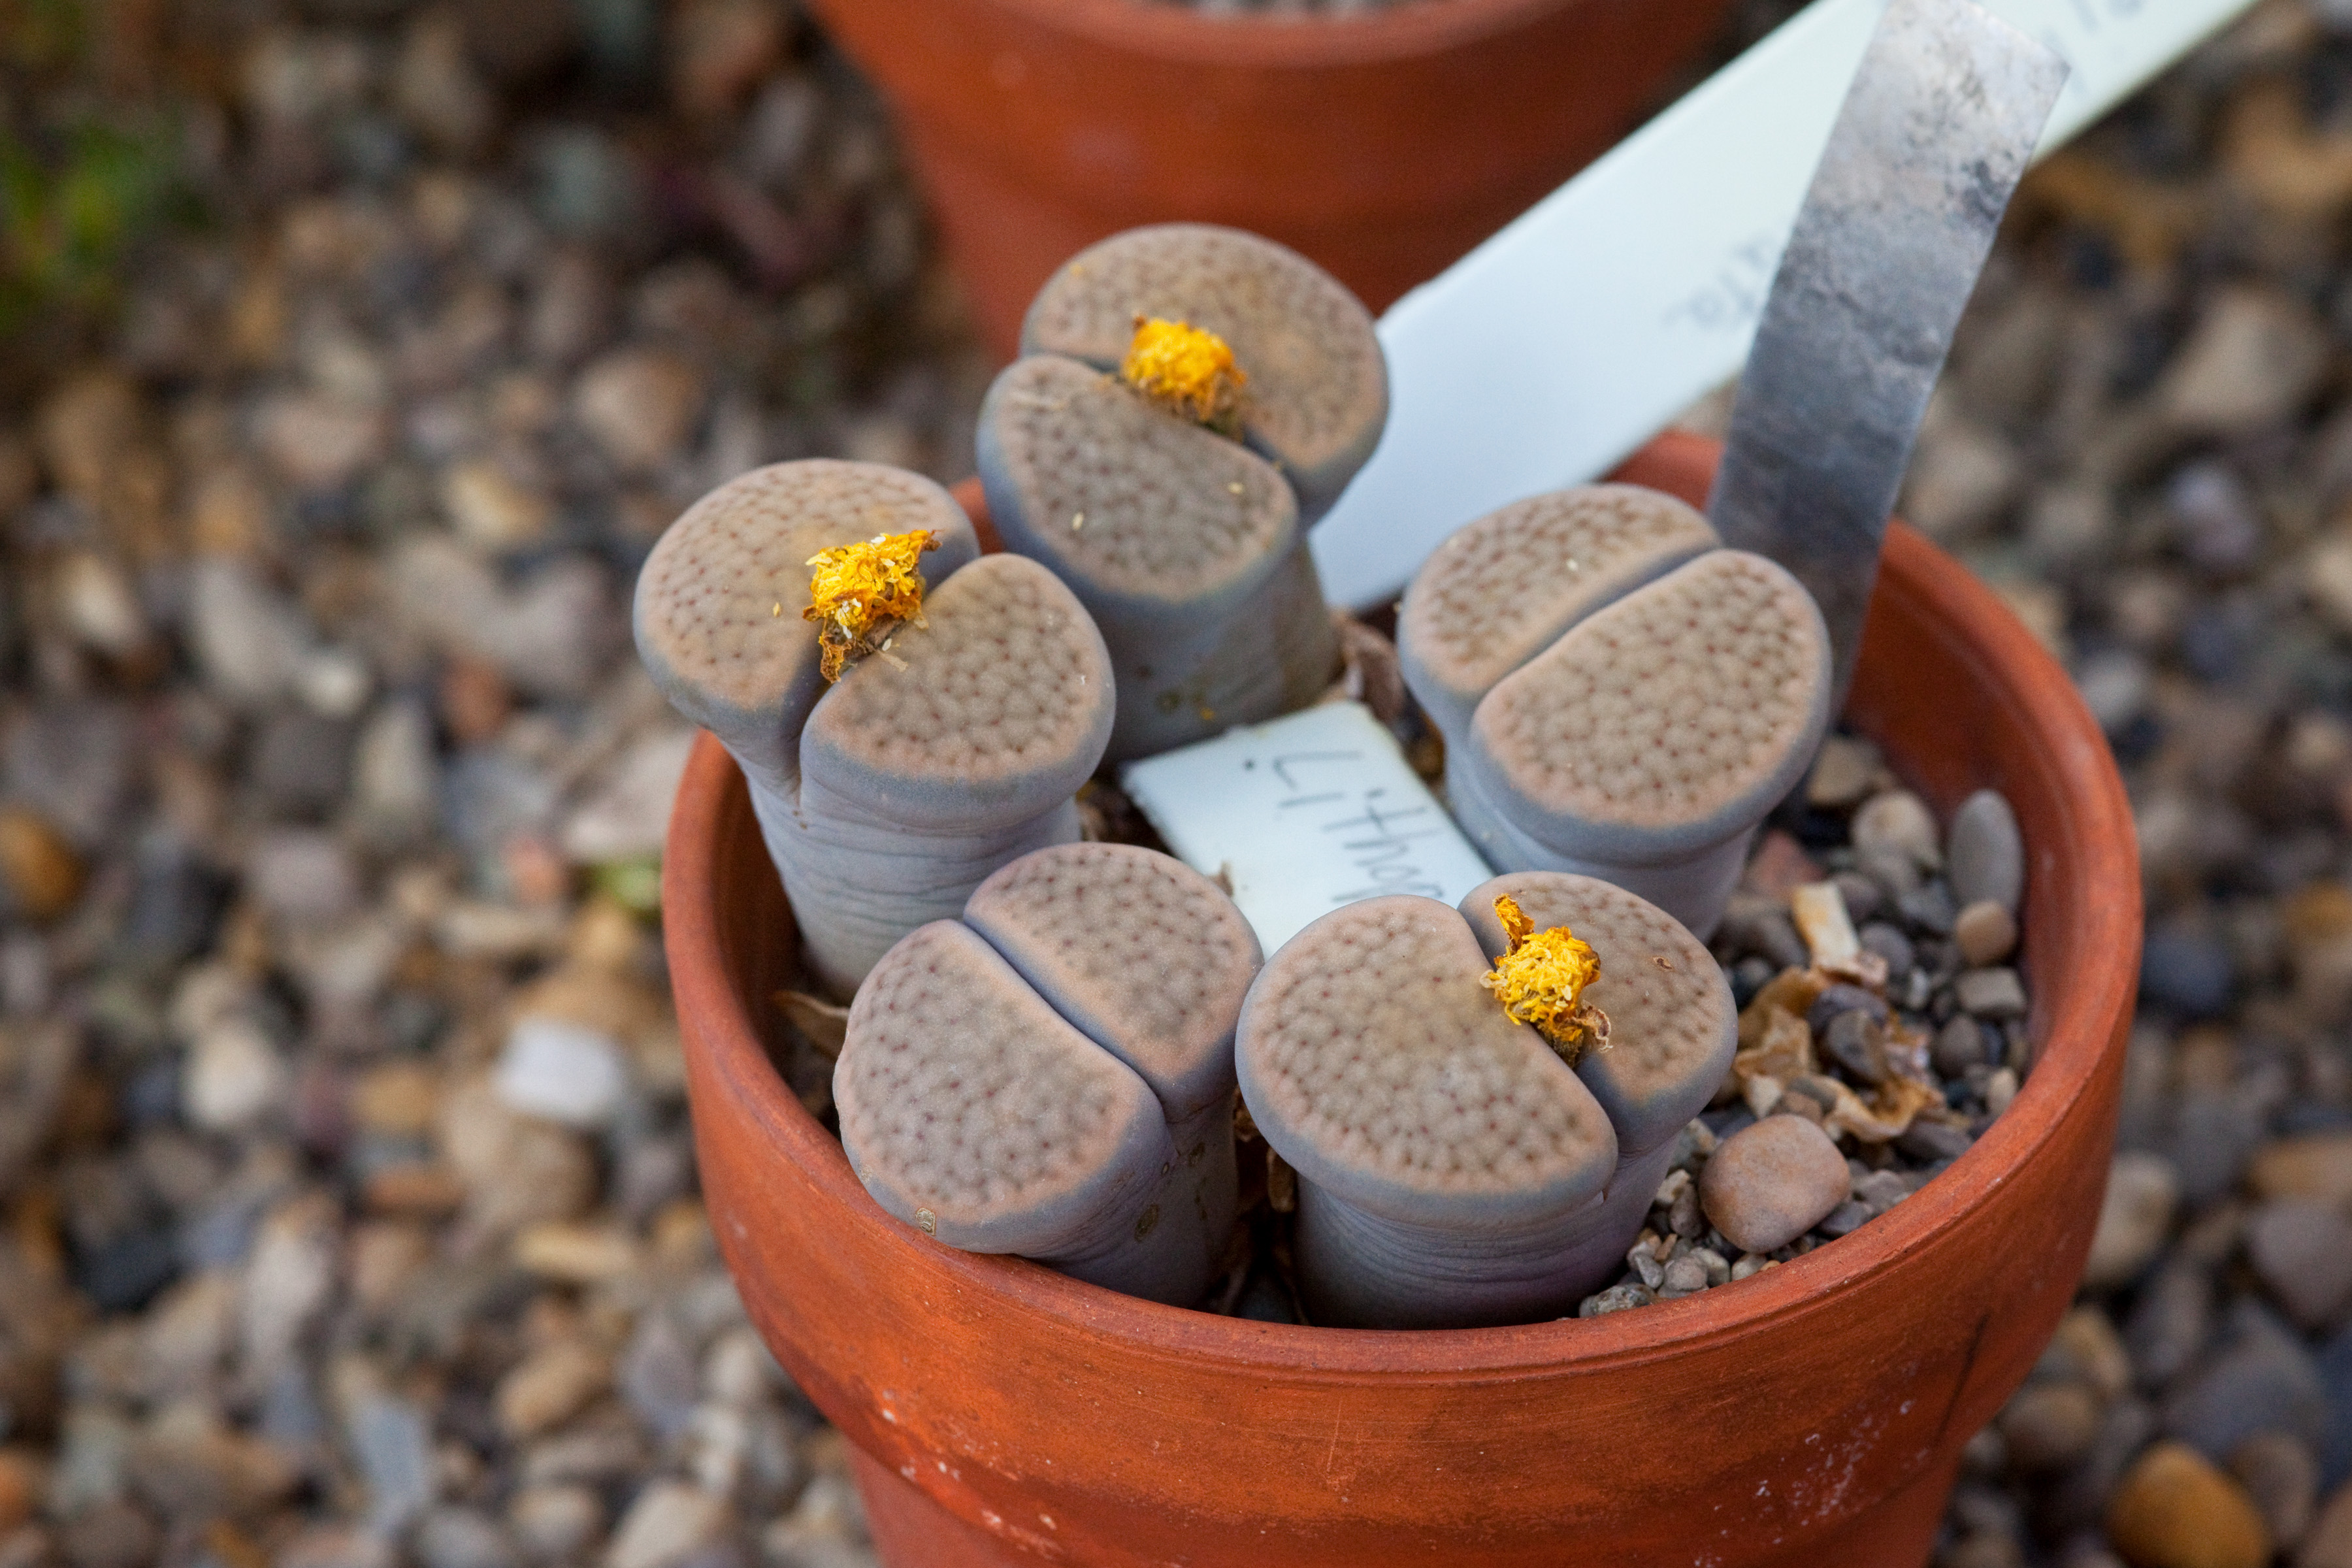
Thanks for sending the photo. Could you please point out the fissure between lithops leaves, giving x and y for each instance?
(1540, 983)
(1188, 370)
(858, 592)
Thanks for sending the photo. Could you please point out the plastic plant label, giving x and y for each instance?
(1570, 337)
(1303, 814)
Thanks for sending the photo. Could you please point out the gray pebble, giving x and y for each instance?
(1893, 872)
(1889, 942)
(1863, 898)
(2303, 1250)
(1929, 1142)
(1616, 1298)
(464, 1538)
(1987, 852)
(1857, 1042)
(1845, 1219)
(1991, 994)
(1930, 907)
(2135, 1216)
(1881, 1190)
(1837, 999)
(1683, 1277)
(2262, 1380)
(1767, 1185)
(1959, 1046)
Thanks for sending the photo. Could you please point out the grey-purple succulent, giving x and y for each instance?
(1187, 546)
(1053, 1076)
(1454, 1169)
(885, 797)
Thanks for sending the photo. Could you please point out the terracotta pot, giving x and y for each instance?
(1812, 1414)
(1383, 145)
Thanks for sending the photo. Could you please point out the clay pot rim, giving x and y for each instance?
(2071, 1031)
(1176, 35)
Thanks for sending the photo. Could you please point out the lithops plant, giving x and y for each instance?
(1053, 1076)
(969, 698)
(1633, 733)
(1478, 1106)
(1189, 398)
(1500, 590)
(1672, 1026)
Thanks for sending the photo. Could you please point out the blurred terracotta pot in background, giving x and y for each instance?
(1382, 145)
(1813, 1414)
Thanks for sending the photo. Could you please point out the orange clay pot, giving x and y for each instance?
(1382, 145)
(1812, 1415)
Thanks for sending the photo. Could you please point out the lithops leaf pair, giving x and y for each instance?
(1189, 399)
(950, 743)
(1053, 1075)
(1619, 696)
(1454, 1168)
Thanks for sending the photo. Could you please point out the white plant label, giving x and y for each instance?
(1302, 814)
(1548, 353)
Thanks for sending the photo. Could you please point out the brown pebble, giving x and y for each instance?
(1986, 934)
(415, 1188)
(38, 866)
(2050, 1426)
(475, 700)
(21, 1481)
(2174, 1510)
(2280, 1474)
(2314, 1165)
(1771, 1182)
(2328, 1544)
(550, 1386)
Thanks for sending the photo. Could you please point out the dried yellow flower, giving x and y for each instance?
(1189, 372)
(859, 590)
(1541, 981)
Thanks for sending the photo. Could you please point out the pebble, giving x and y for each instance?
(665, 1522)
(1995, 995)
(1986, 934)
(2303, 1250)
(1768, 1184)
(2174, 1510)
(1987, 852)
(464, 1538)
(2049, 1426)
(1899, 821)
(550, 1386)
(492, 511)
(2282, 1475)
(40, 871)
(553, 1524)
(639, 405)
(2315, 1165)
(2328, 1544)
(2261, 1378)
(391, 1440)
(234, 1076)
(516, 1170)
(318, 444)
(561, 1071)
(2134, 1218)
(1961, 1044)
(2254, 355)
